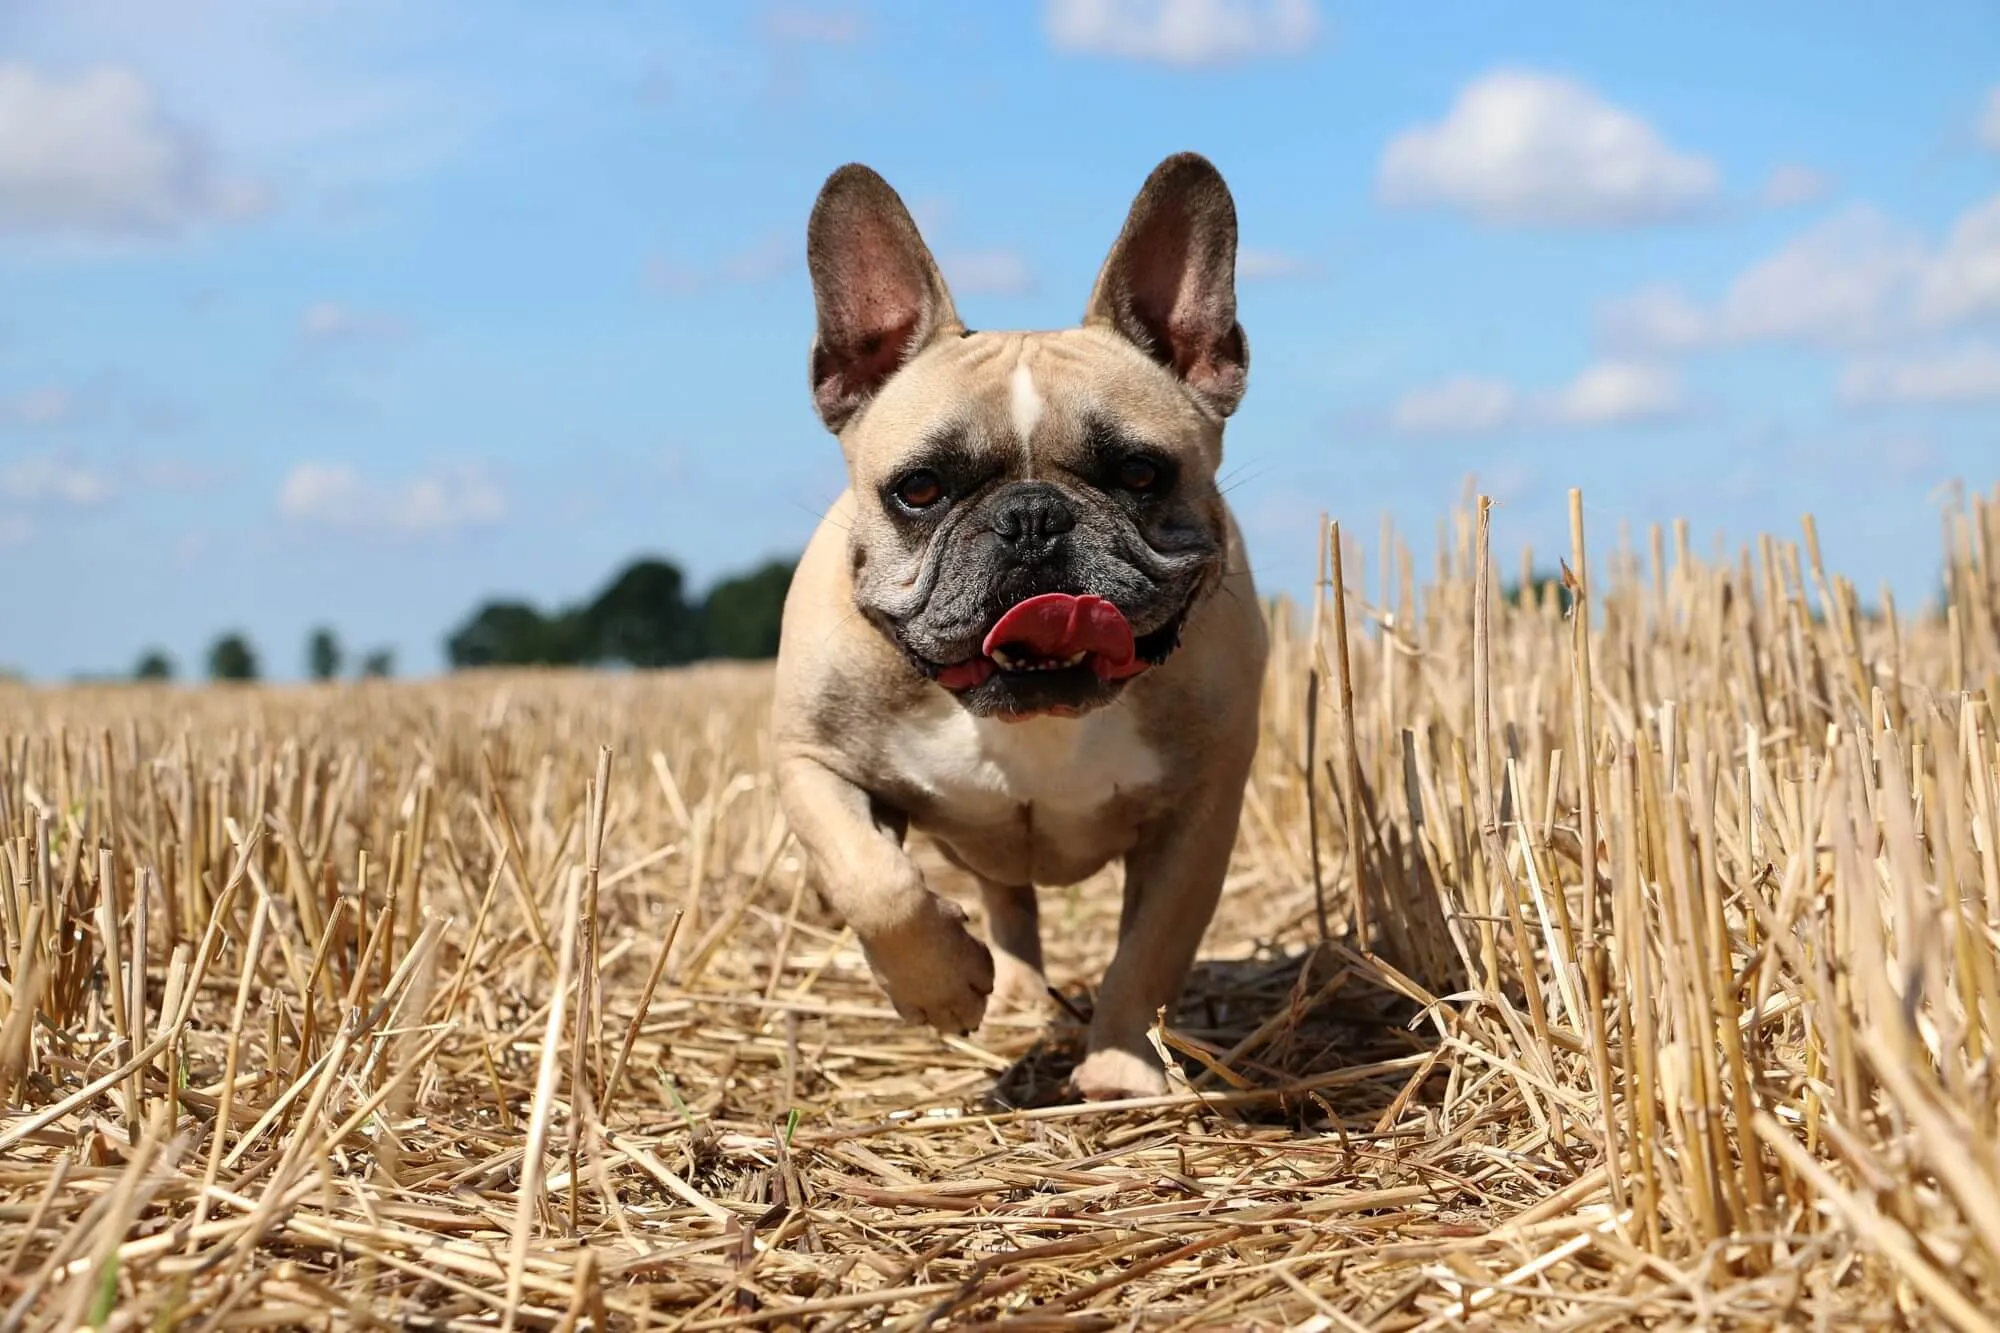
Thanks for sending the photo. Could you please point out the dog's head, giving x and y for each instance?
(1036, 514)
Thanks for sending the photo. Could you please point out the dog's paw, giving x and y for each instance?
(933, 970)
(1112, 1074)
(1019, 989)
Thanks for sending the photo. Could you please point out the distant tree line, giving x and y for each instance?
(643, 617)
(232, 658)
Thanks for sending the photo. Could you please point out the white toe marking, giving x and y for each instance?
(1026, 402)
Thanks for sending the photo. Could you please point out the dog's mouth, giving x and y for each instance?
(1057, 640)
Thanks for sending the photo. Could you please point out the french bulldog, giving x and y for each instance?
(1026, 630)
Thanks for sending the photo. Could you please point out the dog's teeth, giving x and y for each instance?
(1007, 662)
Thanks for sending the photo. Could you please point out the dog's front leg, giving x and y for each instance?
(934, 971)
(1172, 880)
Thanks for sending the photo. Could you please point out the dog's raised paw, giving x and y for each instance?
(934, 971)
(1111, 1075)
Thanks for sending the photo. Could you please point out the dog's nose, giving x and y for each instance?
(1030, 516)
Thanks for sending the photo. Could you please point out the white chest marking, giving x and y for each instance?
(980, 769)
(1026, 404)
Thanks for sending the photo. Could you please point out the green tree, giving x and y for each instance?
(1545, 585)
(380, 664)
(741, 615)
(154, 664)
(323, 654)
(642, 618)
(516, 634)
(232, 658)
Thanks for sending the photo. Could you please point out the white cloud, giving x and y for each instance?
(1254, 265)
(1989, 121)
(38, 407)
(1463, 405)
(168, 472)
(332, 101)
(1967, 374)
(1182, 32)
(1607, 393)
(1907, 456)
(1836, 281)
(1658, 317)
(336, 495)
(331, 322)
(932, 213)
(191, 547)
(663, 276)
(759, 261)
(1615, 392)
(1520, 148)
(1793, 185)
(1962, 280)
(999, 272)
(763, 260)
(813, 27)
(53, 479)
(96, 156)
(1856, 277)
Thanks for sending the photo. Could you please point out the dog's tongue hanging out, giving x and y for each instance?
(1049, 632)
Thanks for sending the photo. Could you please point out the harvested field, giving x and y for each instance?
(502, 1001)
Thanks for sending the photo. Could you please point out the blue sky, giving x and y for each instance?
(361, 312)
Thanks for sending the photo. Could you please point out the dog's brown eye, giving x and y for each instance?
(1139, 474)
(920, 490)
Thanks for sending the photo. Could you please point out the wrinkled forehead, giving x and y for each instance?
(1021, 392)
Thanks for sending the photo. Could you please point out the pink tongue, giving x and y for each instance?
(1057, 625)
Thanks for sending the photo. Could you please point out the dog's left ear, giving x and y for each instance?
(1169, 285)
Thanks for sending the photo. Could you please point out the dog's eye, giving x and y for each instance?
(919, 490)
(1139, 474)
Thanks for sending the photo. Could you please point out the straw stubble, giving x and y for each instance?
(1622, 950)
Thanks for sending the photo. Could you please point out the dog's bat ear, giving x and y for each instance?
(1169, 285)
(879, 294)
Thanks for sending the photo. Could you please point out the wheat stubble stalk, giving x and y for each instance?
(1673, 1001)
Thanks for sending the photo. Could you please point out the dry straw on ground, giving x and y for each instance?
(366, 1007)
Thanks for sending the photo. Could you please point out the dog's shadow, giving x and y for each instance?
(1245, 1028)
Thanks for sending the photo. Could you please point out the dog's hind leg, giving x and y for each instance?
(1014, 929)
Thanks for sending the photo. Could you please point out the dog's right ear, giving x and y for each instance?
(879, 294)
